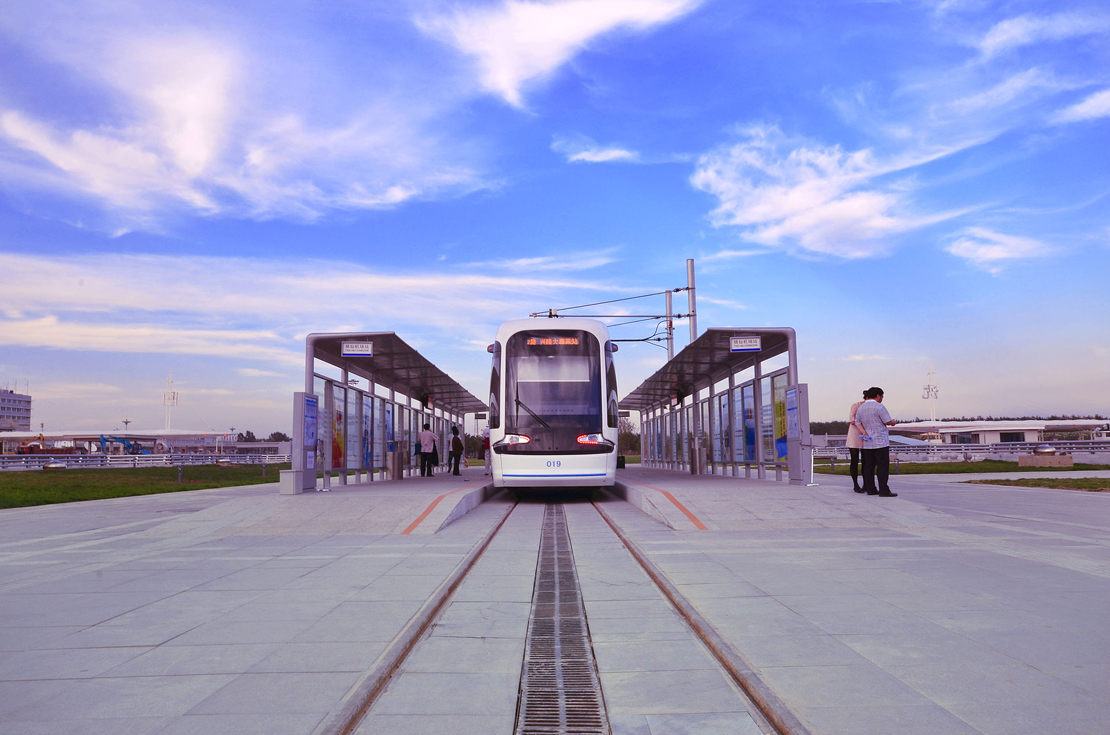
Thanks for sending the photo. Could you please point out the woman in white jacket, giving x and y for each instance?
(854, 444)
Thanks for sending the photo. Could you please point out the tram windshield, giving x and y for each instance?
(552, 388)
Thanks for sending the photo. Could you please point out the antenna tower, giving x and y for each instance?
(930, 394)
(169, 398)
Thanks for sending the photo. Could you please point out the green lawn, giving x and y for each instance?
(1090, 484)
(42, 487)
(947, 468)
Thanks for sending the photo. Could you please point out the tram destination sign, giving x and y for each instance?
(358, 349)
(745, 344)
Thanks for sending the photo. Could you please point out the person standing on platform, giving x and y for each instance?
(456, 451)
(427, 447)
(485, 448)
(854, 444)
(872, 418)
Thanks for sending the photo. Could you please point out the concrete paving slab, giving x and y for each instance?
(278, 693)
(228, 611)
(914, 603)
(728, 723)
(385, 724)
(662, 693)
(253, 724)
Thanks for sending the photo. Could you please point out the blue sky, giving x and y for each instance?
(194, 187)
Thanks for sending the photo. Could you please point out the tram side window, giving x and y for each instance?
(613, 414)
(495, 389)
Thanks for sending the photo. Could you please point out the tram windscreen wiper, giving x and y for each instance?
(532, 413)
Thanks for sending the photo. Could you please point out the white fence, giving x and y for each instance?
(81, 461)
(1091, 452)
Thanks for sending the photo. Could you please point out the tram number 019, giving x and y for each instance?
(554, 463)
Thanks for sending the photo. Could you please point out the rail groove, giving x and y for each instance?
(560, 690)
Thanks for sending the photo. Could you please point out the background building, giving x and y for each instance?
(15, 411)
(1000, 432)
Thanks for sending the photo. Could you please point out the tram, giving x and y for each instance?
(553, 404)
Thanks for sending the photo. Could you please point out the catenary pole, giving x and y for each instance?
(693, 299)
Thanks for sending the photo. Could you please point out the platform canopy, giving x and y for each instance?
(710, 358)
(385, 359)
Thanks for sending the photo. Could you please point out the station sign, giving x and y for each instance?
(745, 344)
(479, 416)
(358, 349)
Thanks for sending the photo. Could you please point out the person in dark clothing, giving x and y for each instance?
(456, 450)
(872, 418)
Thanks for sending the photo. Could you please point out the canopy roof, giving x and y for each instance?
(393, 364)
(705, 361)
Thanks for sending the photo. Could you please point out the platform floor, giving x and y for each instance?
(950, 609)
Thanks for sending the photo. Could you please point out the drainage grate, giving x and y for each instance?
(559, 688)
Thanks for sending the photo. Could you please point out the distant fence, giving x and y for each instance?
(1091, 452)
(83, 461)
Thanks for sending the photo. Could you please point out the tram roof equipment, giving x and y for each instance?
(393, 364)
(709, 359)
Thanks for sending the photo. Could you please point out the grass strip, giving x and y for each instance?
(1089, 484)
(950, 468)
(43, 487)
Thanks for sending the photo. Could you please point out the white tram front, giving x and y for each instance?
(553, 404)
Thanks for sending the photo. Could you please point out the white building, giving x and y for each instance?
(1002, 432)
(15, 411)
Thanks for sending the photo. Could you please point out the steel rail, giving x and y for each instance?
(374, 681)
(767, 702)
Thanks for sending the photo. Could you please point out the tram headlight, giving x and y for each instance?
(515, 439)
(590, 439)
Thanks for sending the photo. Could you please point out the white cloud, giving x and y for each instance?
(1097, 105)
(582, 149)
(1021, 87)
(256, 373)
(1028, 29)
(206, 305)
(569, 261)
(987, 249)
(733, 254)
(821, 199)
(517, 42)
(206, 116)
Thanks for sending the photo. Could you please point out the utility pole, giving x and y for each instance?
(693, 299)
(670, 328)
(126, 423)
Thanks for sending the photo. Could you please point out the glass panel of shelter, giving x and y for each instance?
(353, 432)
(729, 428)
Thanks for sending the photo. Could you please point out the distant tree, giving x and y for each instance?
(835, 428)
(247, 436)
(278, 436)
(472, 444)
(628, 438)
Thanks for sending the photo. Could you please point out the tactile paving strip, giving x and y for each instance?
(559, 688)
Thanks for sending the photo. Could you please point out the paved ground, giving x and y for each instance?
(951, 609)
(217, 611)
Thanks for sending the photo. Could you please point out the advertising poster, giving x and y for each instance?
(725, 432)
(749, 424)
(337, 430)
(310, 407)
(780, 421)
(389, 426)
(367, 432)
(792, 428)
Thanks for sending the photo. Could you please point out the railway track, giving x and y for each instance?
(560, 690)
